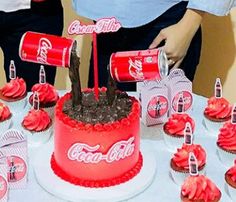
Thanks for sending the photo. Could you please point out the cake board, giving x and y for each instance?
(69, 192)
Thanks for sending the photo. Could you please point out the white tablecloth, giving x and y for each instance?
(163, 188)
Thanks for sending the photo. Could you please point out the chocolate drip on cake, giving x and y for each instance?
(111, 88)
(75, 77)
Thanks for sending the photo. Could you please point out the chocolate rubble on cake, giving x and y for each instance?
(92, 111)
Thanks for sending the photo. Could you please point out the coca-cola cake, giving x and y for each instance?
(96, 143)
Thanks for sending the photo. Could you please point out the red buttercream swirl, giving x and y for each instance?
(36, 120)
(200, 188)
(47, 92)
(97, 183)
(227, 137)
(16, 88)
(176, 124)
(232, 172)
(4, 112)
(96, 127)
(181, 157)
(218, 108)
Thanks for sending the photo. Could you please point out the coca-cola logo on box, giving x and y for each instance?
(17, 168)
(157, 106)
(187, 98)
(90, 154)
(3, 187)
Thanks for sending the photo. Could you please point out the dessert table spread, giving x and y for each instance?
(162, 188)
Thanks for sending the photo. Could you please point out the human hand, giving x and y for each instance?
(178, 37)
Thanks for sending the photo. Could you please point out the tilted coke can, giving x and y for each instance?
(133, 66)
(46, 49)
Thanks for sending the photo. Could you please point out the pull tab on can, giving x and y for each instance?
(134, 66)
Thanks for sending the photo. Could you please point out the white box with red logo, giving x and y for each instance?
(13, 145)
(3, 178)
(177, 84)
(153, 97)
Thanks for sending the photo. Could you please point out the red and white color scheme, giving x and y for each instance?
(3, 178)
(178, 84)
(45, 49)
(133, 66)
(153, 97)
(99, 155)
(14, 147)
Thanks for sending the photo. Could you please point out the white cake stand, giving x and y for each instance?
(67, 191)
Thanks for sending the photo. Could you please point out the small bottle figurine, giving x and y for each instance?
(36, 101)
(42, 75)
(12, 170)
(193, 164)
(180, 104)
(233, 115)
(12, 70)
(188, 135)
(218, 88)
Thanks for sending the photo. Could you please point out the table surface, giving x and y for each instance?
(163, 188)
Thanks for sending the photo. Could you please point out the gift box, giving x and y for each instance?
(13, 145)
(3, 178)
(153, 96)
(179, 85)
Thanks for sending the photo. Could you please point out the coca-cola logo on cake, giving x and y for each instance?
(16, 168)
(136, 69)
(157, 106)
(187, 98)
(44, 46)
(90, 154)
(3, 187)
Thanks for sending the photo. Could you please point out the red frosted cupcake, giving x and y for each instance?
(37, 126)
(226, 143)
(180, 161)
(230, 179)
(174, 130)
(5, 117)
(48, 96)
(13, 94)
(199, 189)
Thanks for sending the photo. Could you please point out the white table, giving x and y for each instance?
(163, 188)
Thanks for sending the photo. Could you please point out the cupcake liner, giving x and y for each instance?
(4, 125)
(232, 192)
(213, 126)
(173, 142)
(38, 138)
(226, 158)
(16, 105)
(179, 177)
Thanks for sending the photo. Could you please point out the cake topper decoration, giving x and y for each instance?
(36, 101)
(103, 25)
(218, 88)
(188, 135)
(180, 106)
(193, 164)
(42, 75)
(12, 70)
(233, 115)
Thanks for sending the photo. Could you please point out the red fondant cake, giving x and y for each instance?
(96, 155)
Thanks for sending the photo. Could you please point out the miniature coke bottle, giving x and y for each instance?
(188, 135)
(12, 70)
(233, 115)
(218, 88)
(193, 164)
(180, 105)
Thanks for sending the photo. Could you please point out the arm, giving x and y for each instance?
(178, 36)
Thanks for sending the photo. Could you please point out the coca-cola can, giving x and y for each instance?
(46, 49)
(133, 66)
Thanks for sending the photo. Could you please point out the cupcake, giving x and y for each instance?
(180, 162)
(5, 117)
(173, 130)
(13, 94)
(37, 126)
(48, 97)
(199, 189)
(226, 144)
(230, 179)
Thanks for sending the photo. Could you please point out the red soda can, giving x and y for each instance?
(46, 49)
(133, 66)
